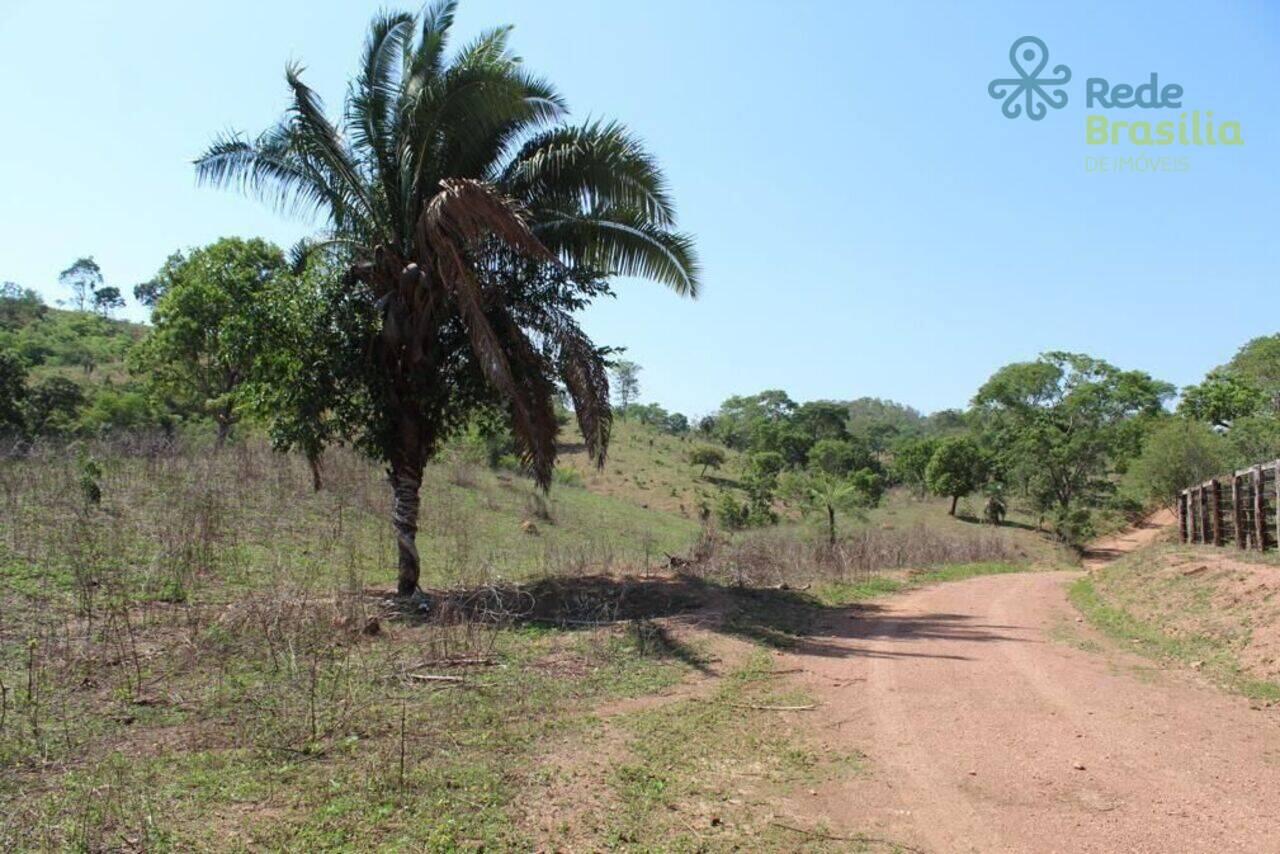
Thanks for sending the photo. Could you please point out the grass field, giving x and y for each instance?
(208, 659)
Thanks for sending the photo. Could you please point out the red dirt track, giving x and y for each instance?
(993, 720)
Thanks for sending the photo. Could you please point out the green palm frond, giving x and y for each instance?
(622, 242)
(317, 138)
(601, 164)
(269, 170)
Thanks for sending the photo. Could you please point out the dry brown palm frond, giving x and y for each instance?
(466, 211)
(533, 414)
(583, 371)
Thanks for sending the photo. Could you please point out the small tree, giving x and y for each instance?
(1221, 399)
(13, 393)
(626, 384)
(1177, 454)
(107, 300)
(53, 404)
(202, 345)
(148, 293)
(83, 278)
(1252, 439)
(19, 306)
(956, 469)
(910, 459)
(707, 457)
(819, 490)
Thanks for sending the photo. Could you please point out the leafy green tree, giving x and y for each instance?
(910, 460)
(676, 424)
(957, 468)
(707, 457)
(1061, 425)
(732, 514)
(19, 306)
(148, 293)
(83, 278)
(13, 393)
(1221, 399)
(839, 457)
(881, 422)
(1176, 454)
(822, 419)
(473, 225)
(119, 409)
(946, 422)
(195, 356)
(626, 384)
(1253, 439)
(294, 383)
(107, 300)
(53, 405)
(817, 489)
(1258, 364)
(743, 422)
(761, 485)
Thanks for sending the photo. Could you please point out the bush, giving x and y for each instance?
(731, 514)
(1073, 525)
(958, 467)
(707, 457)
(1176, 455)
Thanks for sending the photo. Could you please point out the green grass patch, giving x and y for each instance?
(1210, 655)
(679, 788)
(839, 593)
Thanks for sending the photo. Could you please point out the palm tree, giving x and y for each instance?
(475, 222)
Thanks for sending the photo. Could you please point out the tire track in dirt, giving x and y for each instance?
(987, 732)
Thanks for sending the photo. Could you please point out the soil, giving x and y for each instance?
(994, 720)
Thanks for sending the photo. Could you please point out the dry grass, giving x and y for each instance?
(209, 660)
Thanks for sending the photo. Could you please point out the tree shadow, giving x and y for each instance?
(1007, 523)
(799, 623)
(778, 618)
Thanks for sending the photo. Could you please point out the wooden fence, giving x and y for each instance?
(1241, 509)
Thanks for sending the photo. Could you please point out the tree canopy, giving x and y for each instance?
(201, 348)
(471, 223)
(1059, 425)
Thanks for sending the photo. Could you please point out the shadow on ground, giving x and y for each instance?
(779, 618)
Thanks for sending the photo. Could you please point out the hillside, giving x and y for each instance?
(650, 468)
(86, 348)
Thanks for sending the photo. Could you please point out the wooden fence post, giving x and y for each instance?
(1191, 516)
(1201, 510)
(1237, 510)
(1276, 509)
(1259, 520)
(1182, 516)
(1215, 510)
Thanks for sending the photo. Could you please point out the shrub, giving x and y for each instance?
(957, 468)
(707, 457)
(1175, 455)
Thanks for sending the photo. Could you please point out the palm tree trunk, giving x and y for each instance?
(954, 499)
(224, 430)
(407, 463)
(831, 524)
(406, 483)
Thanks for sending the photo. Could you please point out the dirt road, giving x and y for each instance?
(992, 720)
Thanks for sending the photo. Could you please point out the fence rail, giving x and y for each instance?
(1243, 508)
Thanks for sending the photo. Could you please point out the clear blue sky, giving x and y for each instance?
(868, 221)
